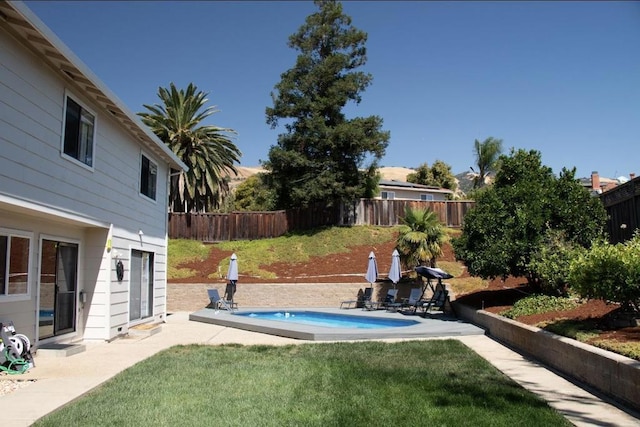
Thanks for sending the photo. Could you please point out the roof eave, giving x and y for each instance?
(30, 30)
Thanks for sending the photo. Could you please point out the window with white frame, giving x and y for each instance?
(15, 251)
(388, 195)
(148, 177)
(79, 132)
(426, 197)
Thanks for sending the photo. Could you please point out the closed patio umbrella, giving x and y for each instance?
(394, 271)
(232, 274)
(372, 269)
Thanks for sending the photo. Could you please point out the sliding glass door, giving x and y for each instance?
(58, 286)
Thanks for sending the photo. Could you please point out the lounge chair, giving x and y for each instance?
(218, 303)
(392, 304)
(363, 297)
(414, 299)
(389, 299)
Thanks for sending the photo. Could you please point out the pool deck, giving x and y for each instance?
(435, 325)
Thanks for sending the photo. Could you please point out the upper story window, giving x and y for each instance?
(388, 195)
(79, 132)
(14, 264)
(426, 197)
(148, 177)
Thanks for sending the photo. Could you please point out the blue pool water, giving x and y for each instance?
(329, 320)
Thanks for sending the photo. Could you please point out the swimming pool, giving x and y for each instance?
(330, 320)
(440, 325)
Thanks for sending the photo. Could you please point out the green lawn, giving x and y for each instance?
(439, 383)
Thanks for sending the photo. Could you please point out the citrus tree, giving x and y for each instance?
(508, 223)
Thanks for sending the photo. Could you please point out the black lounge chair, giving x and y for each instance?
(362, 299)
(388, 300)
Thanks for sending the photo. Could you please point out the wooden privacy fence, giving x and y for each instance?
(390, 212)
(623, 210)
(218, 227)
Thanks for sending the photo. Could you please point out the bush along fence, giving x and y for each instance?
(218, 227)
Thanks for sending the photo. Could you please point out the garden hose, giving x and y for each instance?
(14, 361)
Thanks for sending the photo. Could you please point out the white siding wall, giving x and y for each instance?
(32, 168)
(22, 313)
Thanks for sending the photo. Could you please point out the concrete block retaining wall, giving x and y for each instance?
(608, 372)
(192, 297)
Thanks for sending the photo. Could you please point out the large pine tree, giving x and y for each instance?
(323, 156)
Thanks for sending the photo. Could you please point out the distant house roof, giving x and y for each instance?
(401, 185)
(597, 184)
(24, 25)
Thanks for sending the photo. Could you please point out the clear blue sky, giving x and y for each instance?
(559, 77)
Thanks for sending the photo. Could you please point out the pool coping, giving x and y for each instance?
(433, 326)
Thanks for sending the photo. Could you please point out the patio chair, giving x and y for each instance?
(390, 298)
(391, 303)
(218, 303)
(361, 299)
(414, 299)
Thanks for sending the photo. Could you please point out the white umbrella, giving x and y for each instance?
(394, 271)
(232, 275)
(372, 269)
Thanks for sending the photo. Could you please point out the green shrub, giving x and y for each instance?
(537, 304)
(550, 264)
(609, 272)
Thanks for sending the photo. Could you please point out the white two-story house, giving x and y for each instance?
(83, 195)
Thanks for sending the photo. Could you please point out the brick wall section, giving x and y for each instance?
(192, 297)
(608, 372)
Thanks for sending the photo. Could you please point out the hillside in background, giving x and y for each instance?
(389, 173)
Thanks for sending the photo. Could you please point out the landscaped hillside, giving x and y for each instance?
(339, 255)
(388, 173)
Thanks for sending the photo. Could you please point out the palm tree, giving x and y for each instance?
(487, 153)
(420, 238)
(206, 150)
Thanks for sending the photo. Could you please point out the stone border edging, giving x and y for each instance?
(610, 373)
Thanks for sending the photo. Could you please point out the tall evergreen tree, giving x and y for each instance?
(207, 150)
(322, 155)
